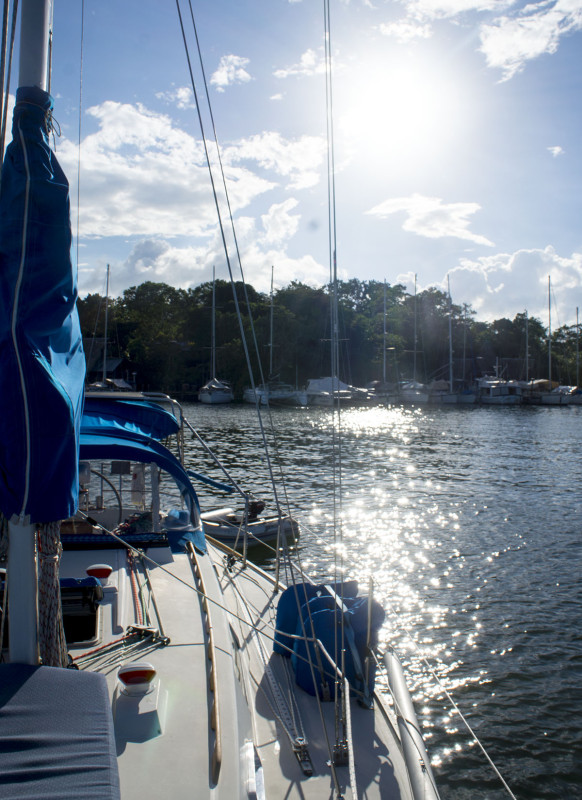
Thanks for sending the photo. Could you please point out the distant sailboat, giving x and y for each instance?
(274, 392)
(412, 392)
(553, 397)
(447, 396)
(215, 391)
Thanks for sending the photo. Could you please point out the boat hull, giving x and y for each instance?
(226, 526)
(215, 398)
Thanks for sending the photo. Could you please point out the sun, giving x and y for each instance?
(405, 109)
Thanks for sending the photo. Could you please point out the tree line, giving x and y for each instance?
(163, 335)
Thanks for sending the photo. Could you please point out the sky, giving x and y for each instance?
(457, 145)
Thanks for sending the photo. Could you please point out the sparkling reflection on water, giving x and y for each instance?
(468, 520)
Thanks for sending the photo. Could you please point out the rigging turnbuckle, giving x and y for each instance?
(340, 753)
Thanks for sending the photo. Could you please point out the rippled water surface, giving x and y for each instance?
(469, 521)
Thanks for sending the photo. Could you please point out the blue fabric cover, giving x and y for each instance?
(294, 598)
(320, 616)
(119, 445)
(139, 416)
(42, 366)
(56, 735)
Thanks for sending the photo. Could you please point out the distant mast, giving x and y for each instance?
(271, 331)
(526, 347)
(577, 350)
(213, 328)
(550, 332)
(450, 336)
(414, 356)
(384, 349)
(106, 326)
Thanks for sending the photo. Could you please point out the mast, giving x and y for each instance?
(549, 333)
(577, 350)
(213, 327)
(450, 337)
(34, 44)
(464, 339)
(23, 589)
(271, 329)
(526, 347)
(414, 357)
(384, 348)
(106, 326)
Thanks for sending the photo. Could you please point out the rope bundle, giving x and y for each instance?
(51, 634)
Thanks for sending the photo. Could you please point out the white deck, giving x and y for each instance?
(171, 750)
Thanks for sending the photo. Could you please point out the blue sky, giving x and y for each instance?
(457, 133)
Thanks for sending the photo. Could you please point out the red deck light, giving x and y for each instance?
(100, 571)
(137, 678)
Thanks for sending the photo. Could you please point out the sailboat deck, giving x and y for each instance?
(277, 703)
(180, 709)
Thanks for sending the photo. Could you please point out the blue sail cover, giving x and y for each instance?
(42, 366)
(139, 416)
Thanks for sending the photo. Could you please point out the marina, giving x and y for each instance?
(339, 587)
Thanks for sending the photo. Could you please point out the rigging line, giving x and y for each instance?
(214, 457)
(285, 714)
(136, 551)
(226, 193)
(237, 250)
(239, 259)
(79, 134)
(222, 231)
(334, 303)
(455, 706)
(243, 494)
(107, 655)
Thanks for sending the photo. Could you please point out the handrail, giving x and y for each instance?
(212, 682)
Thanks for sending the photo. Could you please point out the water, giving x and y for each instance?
(469, 521)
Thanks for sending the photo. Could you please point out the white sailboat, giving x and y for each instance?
(215, 391)
(194, 673)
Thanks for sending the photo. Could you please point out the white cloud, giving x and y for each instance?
(424, 10)
(299, 160)
(510, 41)
(505, 284)
(142, 176)
(406, 30)
(184, 266)
(556, 151)
(182, 97)
(310, 63)
(279, 224)
(147, 208)
(430, 217)
(157, 260)
(231, 69)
